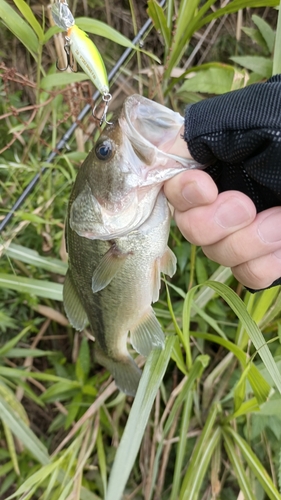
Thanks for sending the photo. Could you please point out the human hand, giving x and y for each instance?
(227, 227)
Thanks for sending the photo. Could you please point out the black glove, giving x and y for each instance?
(239, 135)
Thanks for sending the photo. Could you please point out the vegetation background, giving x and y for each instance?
(206, 422)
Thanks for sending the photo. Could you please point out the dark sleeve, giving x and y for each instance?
(239, 135)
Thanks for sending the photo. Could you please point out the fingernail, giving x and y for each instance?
(269, 229)
(231, 213)
(191, 193)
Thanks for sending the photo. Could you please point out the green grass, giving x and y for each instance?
(206, 421)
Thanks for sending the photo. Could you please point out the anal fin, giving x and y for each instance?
(110, 264)
(125, 371)
(72, 304)
(147, 334)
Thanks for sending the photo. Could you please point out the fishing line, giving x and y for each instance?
(87, 108)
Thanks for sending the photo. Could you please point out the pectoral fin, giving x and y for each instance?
(109, 265)
(147, 334)
(72, 304)
(168, 263)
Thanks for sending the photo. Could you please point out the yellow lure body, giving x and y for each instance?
(88, 57)
(84, 50)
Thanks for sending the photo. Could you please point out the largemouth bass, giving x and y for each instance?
(117, 231)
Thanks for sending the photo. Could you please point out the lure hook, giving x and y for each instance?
(106, 99)
(69, 59)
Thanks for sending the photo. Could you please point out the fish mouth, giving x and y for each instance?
(151, 129)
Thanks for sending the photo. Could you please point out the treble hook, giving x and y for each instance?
(106, 99)
(69, 58)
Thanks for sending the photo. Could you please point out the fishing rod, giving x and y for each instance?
(63, 141)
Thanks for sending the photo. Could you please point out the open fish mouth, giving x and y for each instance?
(150, 126)
(119, 182)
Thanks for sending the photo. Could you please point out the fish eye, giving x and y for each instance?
(104, 150)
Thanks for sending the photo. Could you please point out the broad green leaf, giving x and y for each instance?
(152, 376)
(256, 37)
(255, 465)
(272, 407)
(215, 80)
(99, 28)
(31, 19)
(39, 288)
(260, 65)
(59, 389)
(104, 30)
(32, 257)
(61, 79)
(19, 27)
(247, 407)
(266, 32)
(156, 13)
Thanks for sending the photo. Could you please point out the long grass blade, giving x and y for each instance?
(29, 256)
(23, 432)
(258, 383)
(153, 374)
(252, 329)
(39, 288)
(30, 17)
(239, 468)
(196, 474)
(199, 448)
(19, 27)
(254, 464)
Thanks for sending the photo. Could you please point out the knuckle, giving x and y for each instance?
(252, 275)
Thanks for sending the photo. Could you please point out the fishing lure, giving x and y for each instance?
(84, 51)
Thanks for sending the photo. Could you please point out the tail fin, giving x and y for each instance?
(125, 371)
